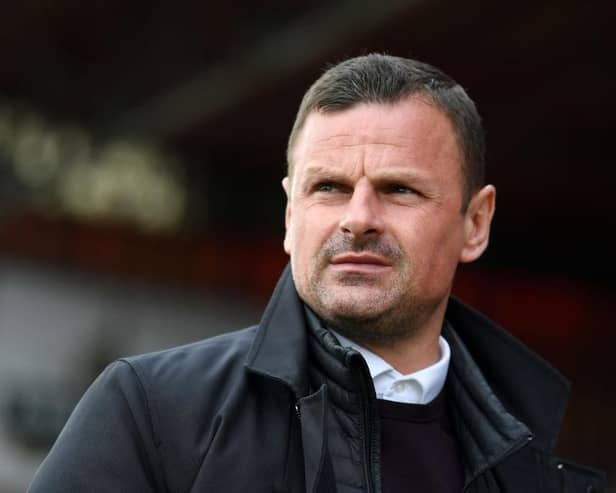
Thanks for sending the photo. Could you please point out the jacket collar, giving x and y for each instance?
(528, 388)
(280, 348)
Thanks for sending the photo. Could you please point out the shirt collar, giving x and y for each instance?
(419, 387)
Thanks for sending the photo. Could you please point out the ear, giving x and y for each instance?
(286, 185)
(477, 221)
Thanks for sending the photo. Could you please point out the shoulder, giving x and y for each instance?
(183, 380)
(182, 391)
(220, 355)
(155, 409)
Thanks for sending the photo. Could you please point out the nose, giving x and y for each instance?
(362, 215)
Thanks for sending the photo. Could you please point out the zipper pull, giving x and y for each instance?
(297, 411)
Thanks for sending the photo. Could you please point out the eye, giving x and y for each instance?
(326, 187)
(400, 189)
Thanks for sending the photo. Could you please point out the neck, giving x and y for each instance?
(408, 355)
(414, 351)
(409, 351)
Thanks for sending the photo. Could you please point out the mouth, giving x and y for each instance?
(360, 262)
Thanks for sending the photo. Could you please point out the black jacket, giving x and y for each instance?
(282, 408)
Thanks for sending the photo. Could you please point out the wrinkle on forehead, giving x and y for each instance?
(376, 130)
(334, 138)
(399, 134)
(393, 171)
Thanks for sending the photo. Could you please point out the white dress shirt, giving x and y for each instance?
(420, 387)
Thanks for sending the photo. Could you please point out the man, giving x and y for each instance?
(363, 375)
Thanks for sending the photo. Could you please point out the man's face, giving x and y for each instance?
(374, 225)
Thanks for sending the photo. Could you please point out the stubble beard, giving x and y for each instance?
(383, 314)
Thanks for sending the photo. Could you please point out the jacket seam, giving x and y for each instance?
(199, 465)
(285, 474)
(144, 395)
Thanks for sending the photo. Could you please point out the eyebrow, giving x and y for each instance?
(319, 171)
(399, 173)
(386, 173)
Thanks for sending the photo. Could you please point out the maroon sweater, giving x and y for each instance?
(419, 452)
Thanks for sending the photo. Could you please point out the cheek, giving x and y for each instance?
(296, 241)
(304, 241)
(434, 243)
(444, 251)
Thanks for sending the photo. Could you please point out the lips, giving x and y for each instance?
(360, 259)
(360, 263)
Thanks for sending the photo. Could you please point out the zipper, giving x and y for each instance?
(367, 431)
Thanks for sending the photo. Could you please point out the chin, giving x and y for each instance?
(359, 307)
(355, 297)
(352, 304)
(372, 325)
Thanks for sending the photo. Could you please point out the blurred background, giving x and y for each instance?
(141, 152)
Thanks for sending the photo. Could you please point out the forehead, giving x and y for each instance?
(411, 132)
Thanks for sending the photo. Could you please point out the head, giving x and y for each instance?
(385, 196)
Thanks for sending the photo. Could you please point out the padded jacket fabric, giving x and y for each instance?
(281, 407)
